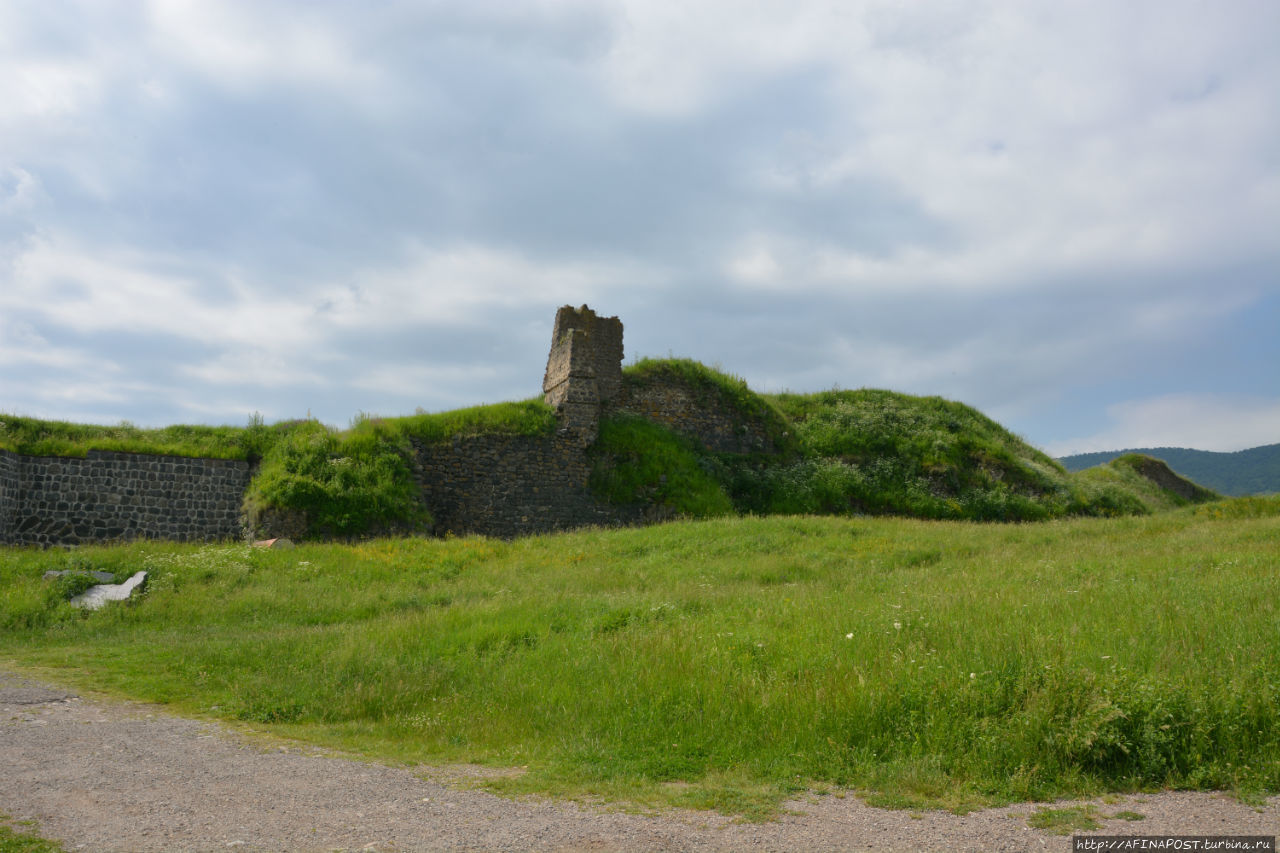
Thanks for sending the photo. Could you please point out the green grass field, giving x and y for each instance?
(722, 663)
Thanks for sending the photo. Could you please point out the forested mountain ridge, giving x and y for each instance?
(1245, 472)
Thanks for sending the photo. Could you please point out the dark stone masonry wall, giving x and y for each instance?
(113, 496)
(511, 486)
(10, 464)
(699, 413)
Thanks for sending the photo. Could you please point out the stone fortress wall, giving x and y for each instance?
(10, 489)
(496, 485)
(106, 496)
(699, 413)
(511, 485)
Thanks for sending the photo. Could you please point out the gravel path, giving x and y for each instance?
(113, 776)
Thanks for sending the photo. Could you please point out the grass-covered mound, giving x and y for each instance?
(858, 452)
(1134, 485)
(883, 452)
(723, 663)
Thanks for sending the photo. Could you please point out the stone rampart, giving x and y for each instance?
(10, 482)
(108, 496)
(701, 413)
(509, 485)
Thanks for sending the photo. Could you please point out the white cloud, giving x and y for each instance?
(140, 292)
(432, 286)
(22, 346)
(246, 46)
(754, 262)
(1218, 422)
(672, 59)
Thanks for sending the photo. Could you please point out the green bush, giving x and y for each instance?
(343, 484)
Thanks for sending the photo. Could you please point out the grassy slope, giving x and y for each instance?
(935, 663)
(926, 456)
(854, 452)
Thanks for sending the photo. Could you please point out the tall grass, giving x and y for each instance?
(928, 663)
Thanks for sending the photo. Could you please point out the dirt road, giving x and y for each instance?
(110, 776)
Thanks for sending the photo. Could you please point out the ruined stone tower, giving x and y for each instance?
(584, 369)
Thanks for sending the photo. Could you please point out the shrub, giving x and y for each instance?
(346, 484)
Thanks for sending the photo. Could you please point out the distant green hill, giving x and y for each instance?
(1246, 472)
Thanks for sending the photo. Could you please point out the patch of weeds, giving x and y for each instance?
(67, 587)
(1064, 821)
(1127, 815)
(21, 840)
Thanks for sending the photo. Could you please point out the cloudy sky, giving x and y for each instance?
(1065, 214)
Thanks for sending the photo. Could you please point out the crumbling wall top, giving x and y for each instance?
(584, 345)
(584, 369)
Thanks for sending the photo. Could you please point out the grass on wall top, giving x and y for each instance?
(527, 417)
(35, 437)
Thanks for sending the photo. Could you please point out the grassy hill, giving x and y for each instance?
(1245, 472)
(720, 664)
(864, 452)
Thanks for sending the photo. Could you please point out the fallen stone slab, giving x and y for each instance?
(98, 576)
(96, 596)
(273, 543)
